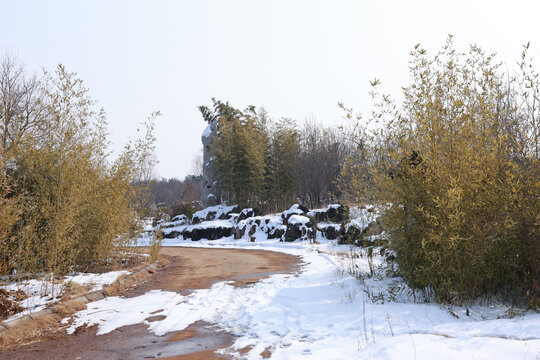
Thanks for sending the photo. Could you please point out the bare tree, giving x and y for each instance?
(318, 163)
(197, 163)
(21, 110)
(167, 191)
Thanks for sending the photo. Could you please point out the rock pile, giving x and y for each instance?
(296, 223)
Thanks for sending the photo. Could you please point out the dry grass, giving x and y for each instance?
(45, 326)
(68, 307)
(32, 331)
(75, 290)
(8, 307)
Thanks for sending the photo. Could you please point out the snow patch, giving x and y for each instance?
(42, 292)
(298, 219)
(324, 312)
(207, 132)
(219, 210)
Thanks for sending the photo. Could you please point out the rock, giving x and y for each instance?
(239, 232)
(248, 213)
(178, 220)
(276, 233)
(180, 217)
(296, 209)
(299, 228)
(269, 225)
(373, 228)
(293, 232)
(208, 232)
(331, 231)
(333, 213)
(351, 235)
(211, 200)
(211, 215)
(221, 212)
(338, 213)
(318, 215)
(195, 220)
(252, 230)
(364, 237)
(172, 234)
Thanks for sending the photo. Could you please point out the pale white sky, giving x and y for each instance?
(296, 58)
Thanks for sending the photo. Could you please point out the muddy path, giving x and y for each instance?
(187, 269)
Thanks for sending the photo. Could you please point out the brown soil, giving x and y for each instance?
(188, 269)
(120, 261)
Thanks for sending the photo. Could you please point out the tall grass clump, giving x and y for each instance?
(64, 205)
(458, 163)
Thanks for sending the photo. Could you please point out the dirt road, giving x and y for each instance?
(188, 269)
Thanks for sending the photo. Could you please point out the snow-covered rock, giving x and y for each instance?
(260, 227)
(296, 209)
(210, 230)
(220, 212)
(335, 213)
(299, 228)
(248, 213)
(330, 231)
(180, 217)
(178, 220)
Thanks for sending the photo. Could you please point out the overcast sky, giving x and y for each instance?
(295, 58)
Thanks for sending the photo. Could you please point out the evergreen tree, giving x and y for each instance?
(240, 160)
(283, 147)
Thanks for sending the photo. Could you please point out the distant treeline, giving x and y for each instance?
(173, 196)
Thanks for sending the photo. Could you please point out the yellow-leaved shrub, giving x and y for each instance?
(64, 205)
(458, 166)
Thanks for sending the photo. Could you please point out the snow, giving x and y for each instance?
(361, 217)
(295, 210)
(331, 206)
(298, 219)
(41, 291)
(218, 209)
(180, 217)
(212, 224)
(115, 312)
(207, 132)
(172, 224)
(97, 280)
(324, 225)
(180, 228)
(326, 313)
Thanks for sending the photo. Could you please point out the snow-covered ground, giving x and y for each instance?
(324, 312)
(41, 292)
